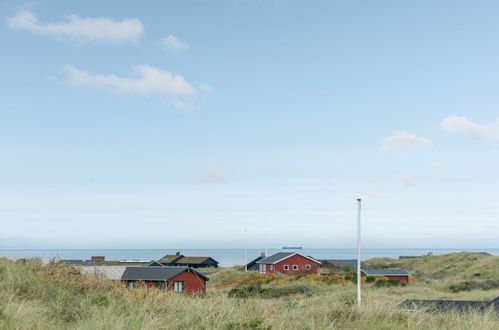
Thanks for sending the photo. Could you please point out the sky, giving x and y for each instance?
(185, 124)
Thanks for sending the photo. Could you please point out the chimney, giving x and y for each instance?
(262, 254)
(178, 253)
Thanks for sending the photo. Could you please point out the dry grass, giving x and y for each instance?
(33, 296)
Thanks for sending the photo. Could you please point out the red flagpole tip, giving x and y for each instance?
(358, 199)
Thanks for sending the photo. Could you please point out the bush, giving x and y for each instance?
(388, 283)
(370, 279)
(246, 291)
(255, 324)
(474, 285)
(255, 290)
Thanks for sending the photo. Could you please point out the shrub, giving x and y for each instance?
(370, 279)
(246, 291)
(388, 283)
(474, 285)
(255, 324)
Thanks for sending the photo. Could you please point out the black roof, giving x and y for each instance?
(281, 255)
(252, 262)
(163, 273)
(447, 305)
(386, 271)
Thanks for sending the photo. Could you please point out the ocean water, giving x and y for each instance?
(226, 257)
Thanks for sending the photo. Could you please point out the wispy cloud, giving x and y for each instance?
(173, 44)
(403, 140)
(215, 174)
(463, 125)
(406, 180)
(80, 29)
(149, 81)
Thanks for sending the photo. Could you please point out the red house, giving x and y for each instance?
(288, 262)
(401, 275)
(178, 279)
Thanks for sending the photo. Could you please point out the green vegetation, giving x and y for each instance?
(36, 296)
(454, 266)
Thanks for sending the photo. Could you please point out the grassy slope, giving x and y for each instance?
(34, 296)
(455, 266)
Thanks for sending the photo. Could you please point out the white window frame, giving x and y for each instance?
(308, 267)
(286, 267)
(178, 286)
(295, 267)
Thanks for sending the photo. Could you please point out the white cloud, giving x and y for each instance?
(463, 125)
(149, 81)
(403, 140)
(173, 44)
(406, 180)
(81, 29)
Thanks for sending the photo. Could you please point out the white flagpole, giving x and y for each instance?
(359, 296)
(245, 251)
(267, 238)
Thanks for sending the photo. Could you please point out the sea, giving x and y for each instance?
(226, 257)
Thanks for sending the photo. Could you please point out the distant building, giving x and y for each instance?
(340, 264)
(108, 272)
(450, 305)
(288, 262)
(183, 261)
(401, 275)
(81, 262)
(169, 278)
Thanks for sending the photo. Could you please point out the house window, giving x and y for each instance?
(308, 267)
(271, 267)
(295, 267)
(178, 286)
(286, 267)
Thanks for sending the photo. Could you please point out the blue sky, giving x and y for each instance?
(180, 124)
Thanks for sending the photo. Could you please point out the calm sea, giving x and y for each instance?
(226, 257)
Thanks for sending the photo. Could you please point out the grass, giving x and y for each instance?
(36, 296)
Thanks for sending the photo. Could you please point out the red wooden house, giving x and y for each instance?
(178, 279)
(288, 262)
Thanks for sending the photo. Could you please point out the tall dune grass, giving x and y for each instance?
(36, 296)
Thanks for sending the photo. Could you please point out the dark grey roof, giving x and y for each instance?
(341, 262)
(273, 259)
(163, 273)
(254, 261)
(387, 271)
(447, 305)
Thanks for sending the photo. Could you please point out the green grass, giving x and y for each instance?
(36, 296)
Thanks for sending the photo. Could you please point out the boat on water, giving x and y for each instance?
(292, 247)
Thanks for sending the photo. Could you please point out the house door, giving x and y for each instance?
(262, 268)
(178, 286)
